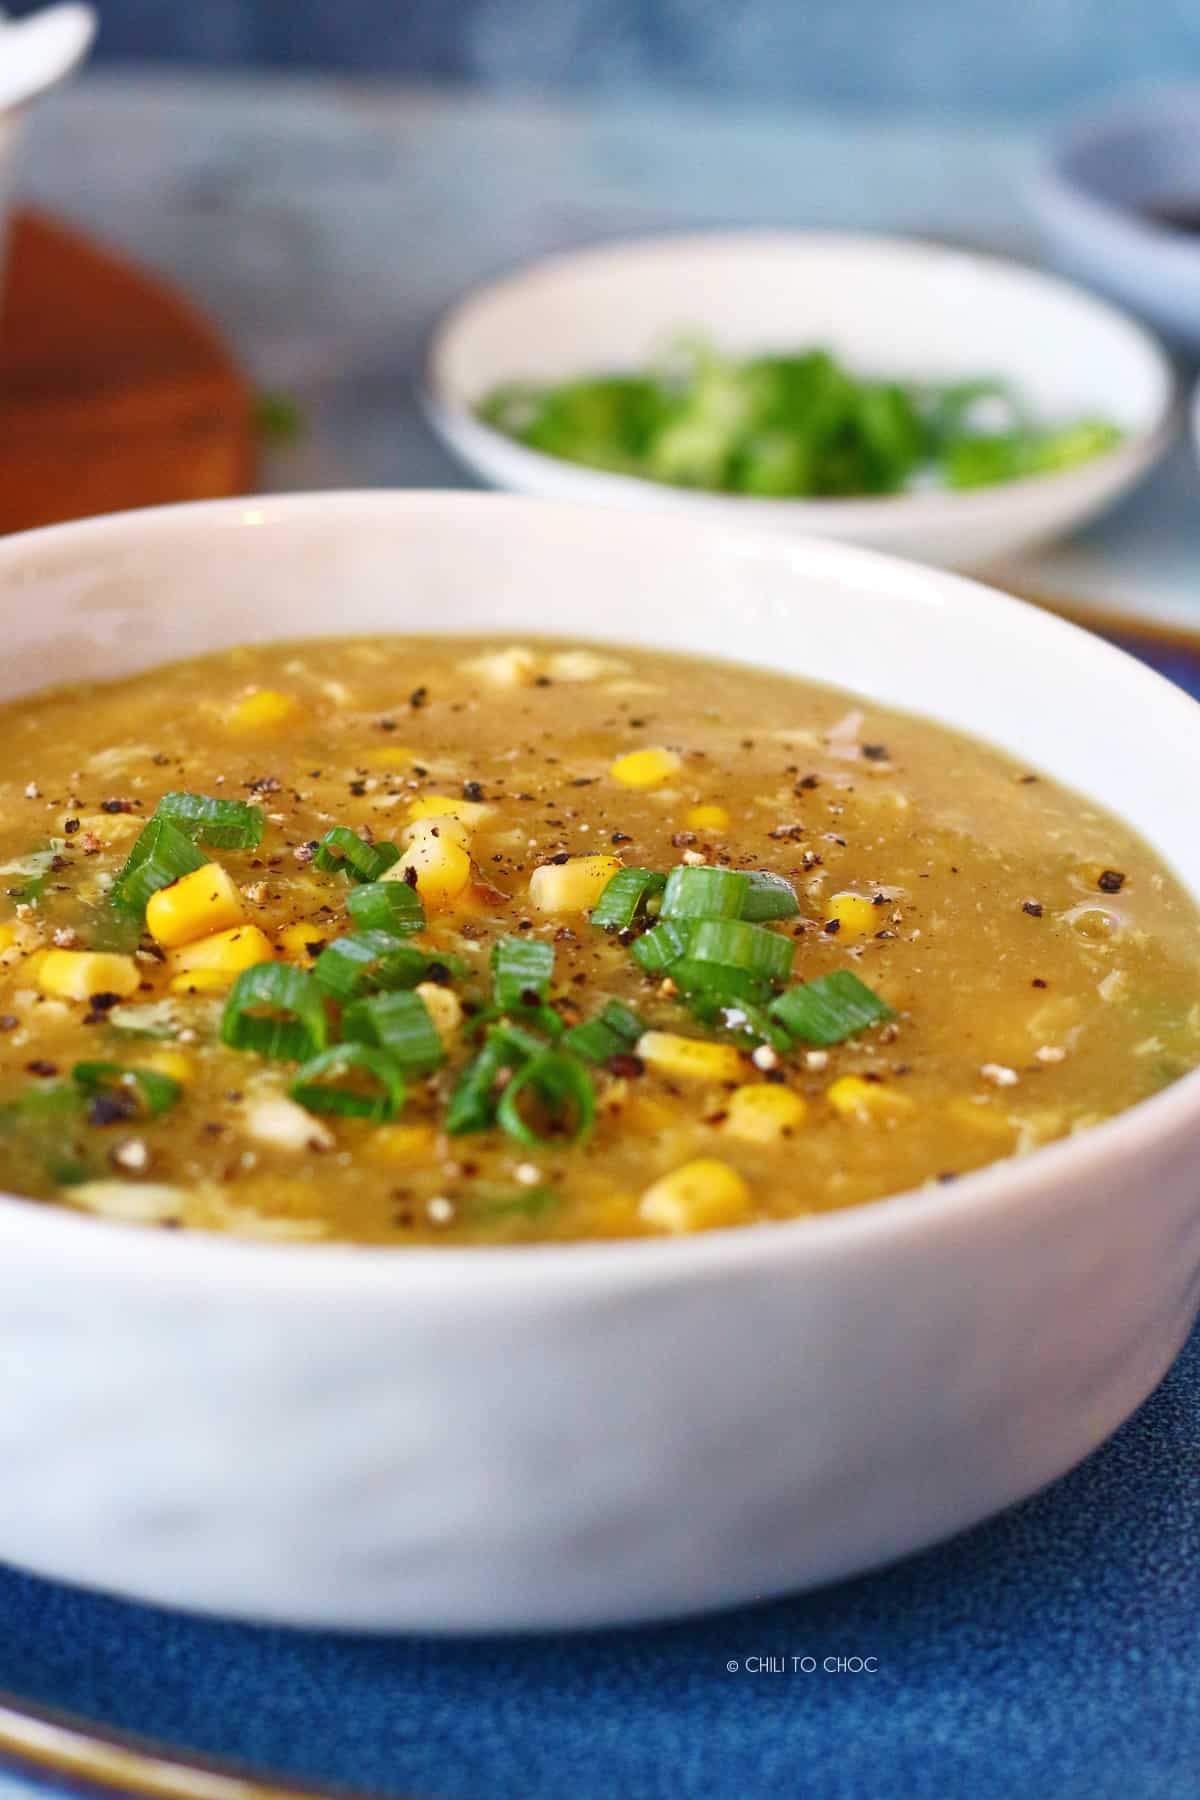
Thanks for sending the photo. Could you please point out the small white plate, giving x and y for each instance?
(887, 306)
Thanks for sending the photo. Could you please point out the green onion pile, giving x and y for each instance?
(359, 1033)
(790, 427)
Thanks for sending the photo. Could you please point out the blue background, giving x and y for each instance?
(1022, 56)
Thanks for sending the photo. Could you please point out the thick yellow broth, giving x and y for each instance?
(1034, 993)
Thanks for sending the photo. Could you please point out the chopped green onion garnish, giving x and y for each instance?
(659, 947)
(831, 1008)
(707, 984)
(155, 1092)
(386, 906)
(612, 1031)
(344, 850)
(276, 1010)
(521, 972)
(625, 897)
(225, 824)
(704, 893)
(160, 855)
(364, 960)
(770, 897)
(318, 1084)
(538, 1018)
(742, 1019)
(400, 1024)
(36, 867)
(473, 1102)
(754, 949)
(43, 1123)
(506, 1203)
(564, 1093)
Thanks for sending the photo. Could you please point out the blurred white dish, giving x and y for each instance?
(1106, 183)
(888, 306)
(36, 53)
(542, 1436)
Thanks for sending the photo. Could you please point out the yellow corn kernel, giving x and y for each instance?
(442, 867)
(263, 709)
(224, 953)
(763, 1114)
(645, 768)
(195, 906)
(388, 756)
(857, 917)
(294, 941)
(448, 806)
(443, 1006)
(514, 667)
(706, 818)
(868, 1101)
(168, 1062)
(438, 825)
(689, 1059)
(642, 1113)
(982, 1117)
(78, 974)
(699, 1196)
(573, 886)
(200, 981)
(402, 1143)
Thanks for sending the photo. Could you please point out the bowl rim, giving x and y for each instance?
(259, 1268)
(457, 425)
(1150, 105)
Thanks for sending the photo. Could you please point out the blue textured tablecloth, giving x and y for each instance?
(1052, 1654)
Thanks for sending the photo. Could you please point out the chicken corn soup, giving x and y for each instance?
(413, 941)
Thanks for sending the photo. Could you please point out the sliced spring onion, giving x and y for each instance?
(658, 948)
(400, 1024)
(704, 893)
(42, 1123)
(319, 1085)
(517, 1040)
(770, 897)
(743, 1019)
(473, 1101)
(510, 1203)
(160, 855)
(614, 1029)
(225, 824)
(563, 1091)
(707, 984)
(386, 906)
(538, 1018)
(365, 960)
(830, 1009)
(276, 1010)
(155, 1092)
(343, 849)
(754, 949)
(625, 897)
(521, 972)
(36, 867)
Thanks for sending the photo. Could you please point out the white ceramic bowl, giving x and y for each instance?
(563, 1436)
(888, 306)
(1099, 173)
(36, 53)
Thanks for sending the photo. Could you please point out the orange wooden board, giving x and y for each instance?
(114, 392)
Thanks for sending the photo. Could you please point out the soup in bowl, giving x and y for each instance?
(536, 1049)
